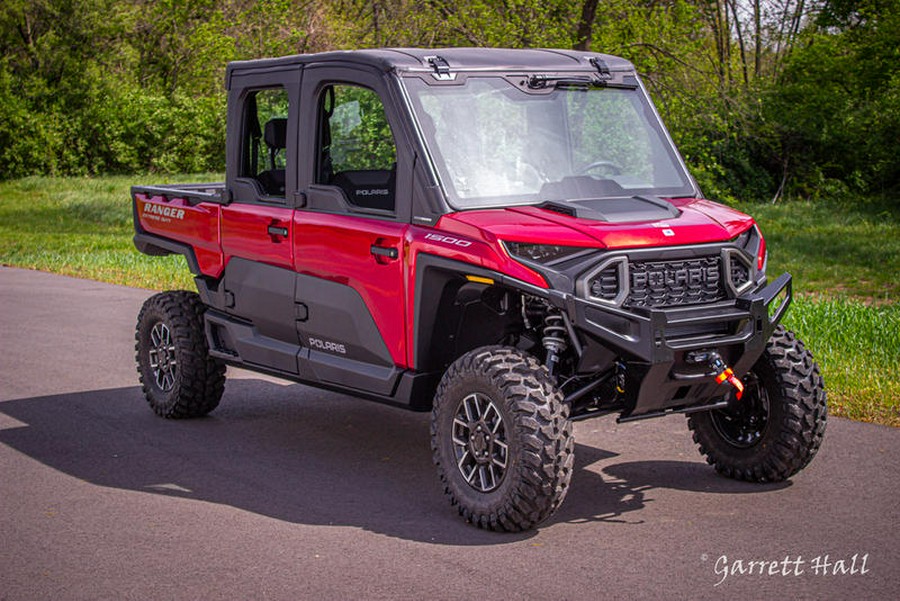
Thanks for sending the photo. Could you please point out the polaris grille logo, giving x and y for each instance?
(373, 192)
(656, 277)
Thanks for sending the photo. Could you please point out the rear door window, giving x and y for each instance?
(264, 140)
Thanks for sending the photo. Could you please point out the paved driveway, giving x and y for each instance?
(287, 492)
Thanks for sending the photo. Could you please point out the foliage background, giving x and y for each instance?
(767, 99)
(764, 97)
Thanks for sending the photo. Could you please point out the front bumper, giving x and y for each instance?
(655, 342)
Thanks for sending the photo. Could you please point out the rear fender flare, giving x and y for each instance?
(157, 246)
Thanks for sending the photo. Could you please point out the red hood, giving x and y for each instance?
(701, 221)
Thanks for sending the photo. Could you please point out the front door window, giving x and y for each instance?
(357, 152)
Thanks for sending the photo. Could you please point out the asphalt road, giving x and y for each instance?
(287, 492)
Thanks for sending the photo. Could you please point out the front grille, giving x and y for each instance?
(605, 285)
(674, 283)
(740, 272)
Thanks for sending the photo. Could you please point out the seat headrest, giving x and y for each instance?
(275, 133)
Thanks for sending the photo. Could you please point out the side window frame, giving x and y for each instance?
(244, 189)
(331, 142)
(330, 198)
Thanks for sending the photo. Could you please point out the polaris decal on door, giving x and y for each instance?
(326, 345)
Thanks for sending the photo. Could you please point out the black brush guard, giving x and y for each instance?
(658, 343)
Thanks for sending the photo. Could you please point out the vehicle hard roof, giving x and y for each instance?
(457, 59)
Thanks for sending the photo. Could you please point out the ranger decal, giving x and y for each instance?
(158, 212)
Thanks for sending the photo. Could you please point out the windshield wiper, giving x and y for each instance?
(542, 82)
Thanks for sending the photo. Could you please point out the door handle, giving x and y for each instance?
(384, 251)
(277, 230)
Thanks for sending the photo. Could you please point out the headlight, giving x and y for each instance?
(542, 253)
(746, 264)
(762, 255)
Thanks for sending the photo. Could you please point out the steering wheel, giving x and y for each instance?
(611, 168)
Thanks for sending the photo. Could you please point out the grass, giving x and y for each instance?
(83, 227)
(845, 258)
(857, 345)
(837, 248)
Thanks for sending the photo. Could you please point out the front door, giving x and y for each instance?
(349, 238)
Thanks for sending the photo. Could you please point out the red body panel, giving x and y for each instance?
(245, 234)
(700, 222)
(197, 226)
(339, 248)
(480, 247)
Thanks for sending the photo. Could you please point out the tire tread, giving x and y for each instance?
(200, 380)
(803, 415)
(542, 421)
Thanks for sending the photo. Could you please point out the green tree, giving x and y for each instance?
(837, 102)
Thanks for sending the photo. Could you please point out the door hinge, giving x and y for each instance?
(602, 67)
(441, 68)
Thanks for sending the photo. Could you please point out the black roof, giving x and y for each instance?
(458, 59)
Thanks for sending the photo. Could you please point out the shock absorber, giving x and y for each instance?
(554, 340)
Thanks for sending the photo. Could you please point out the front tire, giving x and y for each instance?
(776, 428)
(501, 439)
(177, 374)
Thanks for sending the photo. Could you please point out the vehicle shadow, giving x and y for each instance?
(623, 487)
(302, 455)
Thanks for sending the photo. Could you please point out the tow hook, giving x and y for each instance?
(726, 375)
(721, 371)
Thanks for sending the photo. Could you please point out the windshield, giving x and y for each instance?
(494, 144)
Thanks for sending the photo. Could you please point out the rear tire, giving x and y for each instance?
(776, 428)
(501, 439)
(178, 377)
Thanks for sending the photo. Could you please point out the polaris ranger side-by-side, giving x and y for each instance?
(507, 238)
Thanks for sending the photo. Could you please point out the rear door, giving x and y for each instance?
(257, 225)
(349, 238)
(262, 167)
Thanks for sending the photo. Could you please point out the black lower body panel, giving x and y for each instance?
(239, 343)
(307, 329)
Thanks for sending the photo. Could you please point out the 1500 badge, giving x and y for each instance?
(448, 240)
